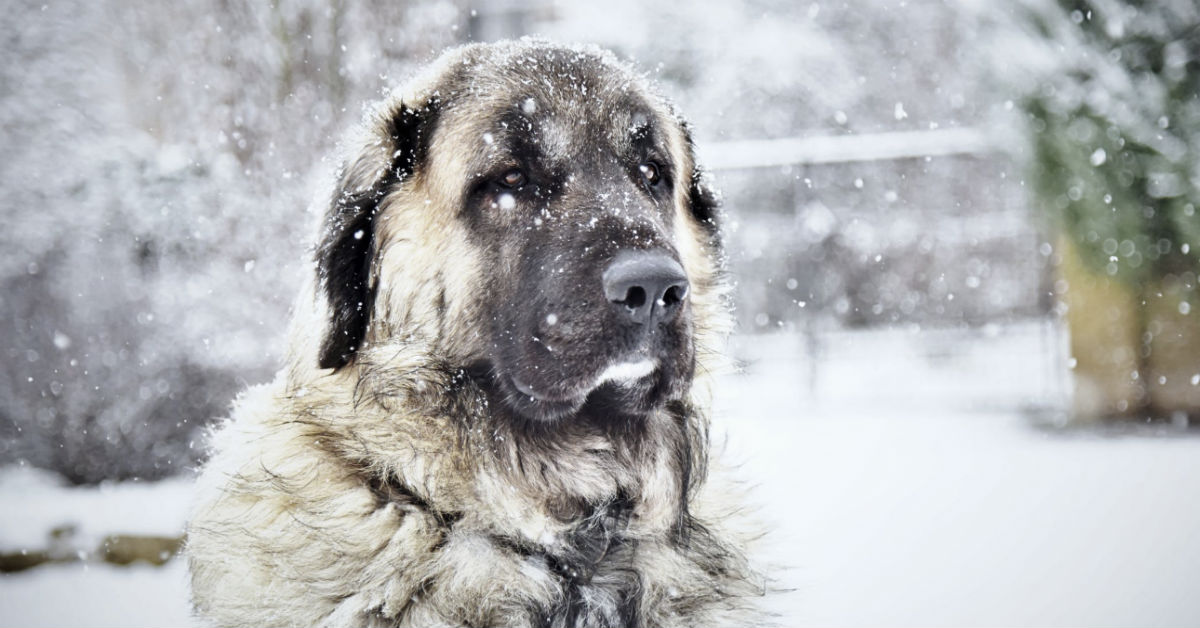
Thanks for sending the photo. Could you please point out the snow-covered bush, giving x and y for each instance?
(1115, 121)
(159, 159)
(1113, 117)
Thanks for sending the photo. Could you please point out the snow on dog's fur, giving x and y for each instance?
(468, 430)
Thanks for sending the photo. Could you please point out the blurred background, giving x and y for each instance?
(964, 235)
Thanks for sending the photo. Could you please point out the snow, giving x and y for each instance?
(96, 596)
(936, 519)
(899, 471)
(91, 594)
(907, 485)
(37, 501)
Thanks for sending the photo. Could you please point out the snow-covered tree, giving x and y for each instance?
(1114, 111)
(1117, 124)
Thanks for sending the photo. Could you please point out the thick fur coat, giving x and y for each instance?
(467, 431)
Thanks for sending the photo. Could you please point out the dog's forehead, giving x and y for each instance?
(562, 100)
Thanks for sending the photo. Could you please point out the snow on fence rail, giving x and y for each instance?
(828, 149)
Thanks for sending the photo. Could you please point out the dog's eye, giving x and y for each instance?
(512, 179)
(650, 172)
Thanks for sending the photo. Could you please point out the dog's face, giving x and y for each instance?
(568, 195)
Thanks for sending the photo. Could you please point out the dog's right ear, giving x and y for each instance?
(393, 151)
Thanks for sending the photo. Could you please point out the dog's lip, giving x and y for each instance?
(625, 371)
(527, 390)
(527, 401)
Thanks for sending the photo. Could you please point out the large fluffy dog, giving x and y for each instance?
(487, 417)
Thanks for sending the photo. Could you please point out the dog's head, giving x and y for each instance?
(534, 214)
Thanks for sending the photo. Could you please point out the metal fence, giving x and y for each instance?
(926, 228)
(928, 234)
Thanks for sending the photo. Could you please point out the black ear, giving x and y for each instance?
(703, 201)
(344, 252)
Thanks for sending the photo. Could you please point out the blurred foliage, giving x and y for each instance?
(1116, 120)
(153, 193)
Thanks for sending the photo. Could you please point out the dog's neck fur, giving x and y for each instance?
(634, 474)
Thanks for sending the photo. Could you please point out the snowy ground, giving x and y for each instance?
(909, 486)
(902, 474)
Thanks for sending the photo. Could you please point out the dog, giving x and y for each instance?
(492, 411)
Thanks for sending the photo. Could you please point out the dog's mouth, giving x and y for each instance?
(622, 374)
(624, 384)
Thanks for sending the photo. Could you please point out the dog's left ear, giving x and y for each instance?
(703, 201)
(705, 204)
(394, 149)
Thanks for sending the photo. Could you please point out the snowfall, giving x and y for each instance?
(907, 477)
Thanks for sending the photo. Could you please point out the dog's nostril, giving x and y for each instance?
(635, 298)
(674, 295)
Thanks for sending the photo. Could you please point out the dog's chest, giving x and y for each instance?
(594, 561)
(596, 541)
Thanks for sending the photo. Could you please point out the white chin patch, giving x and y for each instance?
(626, 372)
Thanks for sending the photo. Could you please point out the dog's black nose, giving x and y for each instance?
(647, 286)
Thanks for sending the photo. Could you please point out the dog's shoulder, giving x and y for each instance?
(284, 530)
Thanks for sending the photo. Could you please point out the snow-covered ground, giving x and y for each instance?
(901, 472)
(908, 485)
(37, 502)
